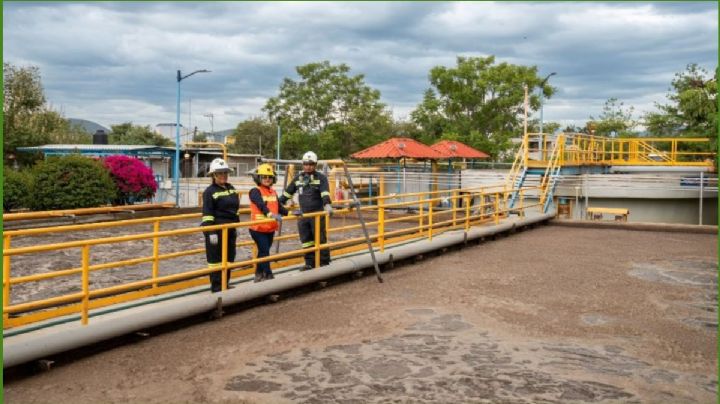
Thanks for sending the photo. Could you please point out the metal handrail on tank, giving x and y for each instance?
(431, 220)
(47, 214)
(585, 149)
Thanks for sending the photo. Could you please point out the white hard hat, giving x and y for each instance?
(310, 157)
(218, 166)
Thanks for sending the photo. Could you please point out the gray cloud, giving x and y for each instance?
(114, 62)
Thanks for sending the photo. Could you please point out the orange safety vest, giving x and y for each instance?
(271, 201)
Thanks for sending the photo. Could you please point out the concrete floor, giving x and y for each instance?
(553, 314)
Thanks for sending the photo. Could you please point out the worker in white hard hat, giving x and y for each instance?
(264, 205)
(221, 203)
(314, 194)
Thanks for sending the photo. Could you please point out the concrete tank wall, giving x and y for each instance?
(657, 210)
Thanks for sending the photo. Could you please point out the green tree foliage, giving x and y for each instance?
(129, 134)
(28, 121)
(479, 101)
(615, 117)
(70, 182)
(253, 133)
(548, 126)
(17, 189)
(402, 128)
(199, 137)
(692, 110)
(330, 109)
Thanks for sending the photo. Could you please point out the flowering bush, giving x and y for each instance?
(134, 180)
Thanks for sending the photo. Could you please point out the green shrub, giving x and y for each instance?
(71, 182)
(17, 189)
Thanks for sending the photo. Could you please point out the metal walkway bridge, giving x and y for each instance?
(549, 156)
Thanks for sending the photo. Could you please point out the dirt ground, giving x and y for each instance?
(553, 314)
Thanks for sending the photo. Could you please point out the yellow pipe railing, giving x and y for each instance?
(89, 298)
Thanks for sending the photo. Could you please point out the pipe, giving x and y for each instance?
(26, 347)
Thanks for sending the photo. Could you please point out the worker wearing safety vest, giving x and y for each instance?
(264, 205)
(221, 202)
(314, 195)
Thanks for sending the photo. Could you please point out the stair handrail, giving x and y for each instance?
(551, 168)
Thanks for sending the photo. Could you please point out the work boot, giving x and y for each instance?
(307, 267)
(269, 275)
(259, 278)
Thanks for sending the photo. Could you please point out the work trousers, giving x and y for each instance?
(263, 241)
(306, 229)
(214, 256)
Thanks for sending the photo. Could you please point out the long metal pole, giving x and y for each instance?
(278, 144)
(541, 111)
(525, 132)
(356, 203)
(176, 166)
(702, 181)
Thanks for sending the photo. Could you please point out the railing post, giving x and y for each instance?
(421, 213)
(430, 220)
(497, 210)
(317, 240)
(467, 213)
(454, 208)
(224, 265)
(254, 254)
(156, 253)
(85, 284)
(6, 277)
(381, 225)
(521, 208)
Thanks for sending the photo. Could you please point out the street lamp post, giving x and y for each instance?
(542, 96)
(176, 166)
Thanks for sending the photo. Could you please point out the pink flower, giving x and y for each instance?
(135, 181)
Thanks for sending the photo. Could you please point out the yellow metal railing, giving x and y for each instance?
(583, 149)
(428, 220)
(554, 163)
(46, 214)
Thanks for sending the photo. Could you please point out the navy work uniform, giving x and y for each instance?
(220, 206)
(314, 194)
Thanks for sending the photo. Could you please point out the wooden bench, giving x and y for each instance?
(596, 213)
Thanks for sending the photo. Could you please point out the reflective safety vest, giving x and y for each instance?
(271, 201)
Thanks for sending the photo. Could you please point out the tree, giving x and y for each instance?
(614, 120)
(692, 111)
(479, 101)
(127, 133)
(330, 107)
(253, 133)
(24, 98)
(199, 137)
(28, 120)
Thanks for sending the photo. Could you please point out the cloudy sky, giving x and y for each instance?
(116, 62)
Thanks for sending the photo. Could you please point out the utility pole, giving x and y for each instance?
(278, 142)
(542, 96)
(210, 116)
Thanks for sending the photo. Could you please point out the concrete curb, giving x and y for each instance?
(659, 227)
